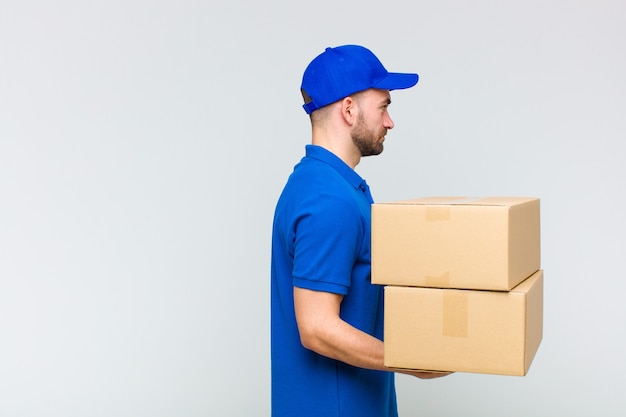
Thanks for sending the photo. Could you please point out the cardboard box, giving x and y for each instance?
(490, 243)
(491, 332)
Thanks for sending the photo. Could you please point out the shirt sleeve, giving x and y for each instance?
(328, 236)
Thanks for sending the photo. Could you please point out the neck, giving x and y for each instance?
(345, 153)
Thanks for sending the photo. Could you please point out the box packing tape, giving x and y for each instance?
(438, 281)
(455, 314)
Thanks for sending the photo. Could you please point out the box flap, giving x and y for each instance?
(524, 286)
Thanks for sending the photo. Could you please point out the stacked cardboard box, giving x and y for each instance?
(463, 284)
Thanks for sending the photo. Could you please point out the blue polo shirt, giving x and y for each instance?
(321, 241)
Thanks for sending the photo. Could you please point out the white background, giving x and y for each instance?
(143, 145)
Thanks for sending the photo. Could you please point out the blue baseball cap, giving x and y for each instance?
(339, 72)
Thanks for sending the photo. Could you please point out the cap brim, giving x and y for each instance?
(397, 81)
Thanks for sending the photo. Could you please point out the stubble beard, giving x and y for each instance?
(367, 141)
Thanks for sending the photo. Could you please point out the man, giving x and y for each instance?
(327, 317)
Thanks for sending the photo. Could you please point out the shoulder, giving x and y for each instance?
(322, 187)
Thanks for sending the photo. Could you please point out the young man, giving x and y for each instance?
(327, 317)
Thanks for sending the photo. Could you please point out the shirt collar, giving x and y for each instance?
(326, 156)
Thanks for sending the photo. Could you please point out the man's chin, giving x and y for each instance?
(373, 152)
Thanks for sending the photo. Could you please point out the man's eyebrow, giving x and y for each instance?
(386, 102)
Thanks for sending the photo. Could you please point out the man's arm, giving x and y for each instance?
(323, 331)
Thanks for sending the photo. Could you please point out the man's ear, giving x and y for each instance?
(349, 110)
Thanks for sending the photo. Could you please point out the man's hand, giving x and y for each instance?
(428, 374)
(421, 374)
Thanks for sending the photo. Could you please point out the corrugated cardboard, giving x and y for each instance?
(490, 243)
(491, 332)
